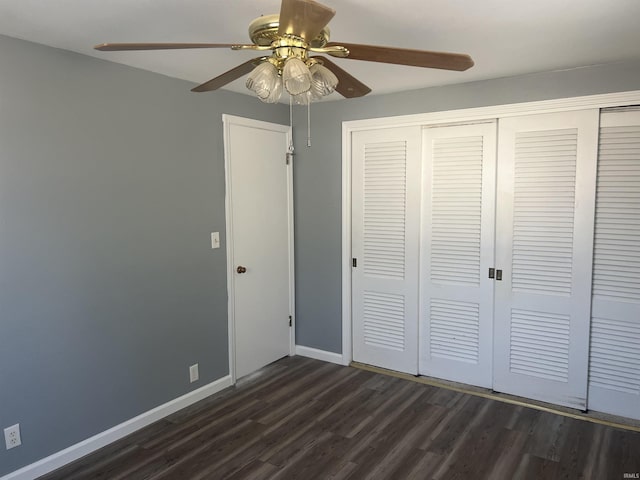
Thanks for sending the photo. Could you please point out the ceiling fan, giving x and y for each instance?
(300, 29)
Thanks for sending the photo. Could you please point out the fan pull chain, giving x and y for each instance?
(290, 154)
(309, 123)
(291, 111)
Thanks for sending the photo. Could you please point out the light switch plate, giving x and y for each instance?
(215, 239)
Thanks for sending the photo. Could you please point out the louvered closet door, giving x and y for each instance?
(385, 232)
(544, 245)
(456, 319)
(614, 367)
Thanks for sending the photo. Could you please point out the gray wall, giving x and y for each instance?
(111, 179)
(318, 172)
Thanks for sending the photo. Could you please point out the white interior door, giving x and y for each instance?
(544, 246)
(457, 245)
(614, 367)
(385, 235)
(260, 240)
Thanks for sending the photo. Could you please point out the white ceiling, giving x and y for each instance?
(504, 37)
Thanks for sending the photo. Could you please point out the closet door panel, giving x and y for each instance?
(456, 253)
(614, 366)
(544, 232)
(385, 234)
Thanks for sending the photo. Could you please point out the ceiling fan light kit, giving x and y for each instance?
(264, 81)
(323, 81)
(296, 76)
(301, 28)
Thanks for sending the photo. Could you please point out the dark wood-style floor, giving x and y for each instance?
(304, 419)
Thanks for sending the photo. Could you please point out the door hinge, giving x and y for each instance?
(290, 321)
(354, 262)
(288, 157)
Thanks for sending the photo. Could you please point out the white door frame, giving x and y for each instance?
(229, 120)
(441, 118)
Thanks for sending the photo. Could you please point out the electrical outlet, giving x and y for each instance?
(193, 373)
(12, 436)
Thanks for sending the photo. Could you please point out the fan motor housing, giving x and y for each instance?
(263, 31)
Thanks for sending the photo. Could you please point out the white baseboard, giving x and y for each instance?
(74, 452)
(320, 354)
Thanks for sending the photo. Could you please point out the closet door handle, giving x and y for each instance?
(492, 273)
(498, 275)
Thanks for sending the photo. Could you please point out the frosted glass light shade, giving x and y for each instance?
(264, 82)
(303, 98)
(296, 76)
(276, 93)
(323, 81)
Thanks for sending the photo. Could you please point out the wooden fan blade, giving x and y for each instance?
(348, 85)
(303, 18)
(404, 56)
(117, 47)
(228, 77)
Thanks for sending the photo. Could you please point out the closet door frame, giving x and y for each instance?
(431, 119)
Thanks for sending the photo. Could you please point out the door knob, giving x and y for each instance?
(241, 269)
